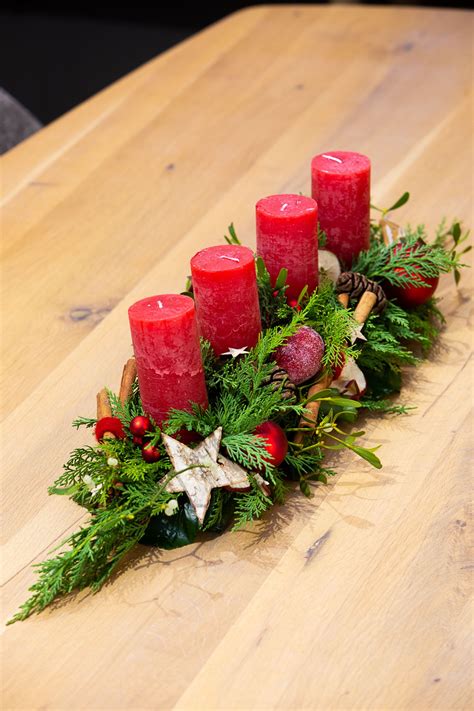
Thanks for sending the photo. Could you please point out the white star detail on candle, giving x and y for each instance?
(234, 352)
(210, 470)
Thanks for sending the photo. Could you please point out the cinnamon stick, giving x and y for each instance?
(103, 405)
(104, 409)
(128, 378)
(364, 307)
(310, 417)
(343, 300)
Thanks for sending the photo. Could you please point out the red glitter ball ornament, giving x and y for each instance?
(140, 425)
(276, 442)
(301, 355)
(150, 454)
(111, 425)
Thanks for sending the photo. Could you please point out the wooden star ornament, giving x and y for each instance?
(209, 470)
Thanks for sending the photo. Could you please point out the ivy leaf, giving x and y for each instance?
(172, 531)
(401, 201)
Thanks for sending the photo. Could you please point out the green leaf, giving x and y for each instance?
(172, 531)
(401, 201)
(456, 232)
(233, 239)
(67, 491)
(367, 454)
(302, 294)
(305, 488)
(261, 268)
(328, 397)
(281, 278)
(374, 207)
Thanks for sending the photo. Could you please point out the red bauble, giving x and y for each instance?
(276, 442)
(411, 295)
(150, 454)
(111, 425)
(140, 425)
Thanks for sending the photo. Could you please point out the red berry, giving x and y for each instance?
(138, 441)
(140, 425)
(150, 454)
(293, 303)
(301, 355)
(110, 425)
(276, 442)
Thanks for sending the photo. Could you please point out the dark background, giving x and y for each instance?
(52, 58)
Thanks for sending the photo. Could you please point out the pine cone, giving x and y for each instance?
(277, 377)
(356, 284)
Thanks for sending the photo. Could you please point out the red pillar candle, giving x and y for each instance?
(341, 186)
(287, 237)
(168, 354)
(225, 291)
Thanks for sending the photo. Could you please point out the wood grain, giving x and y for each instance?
(357, 598)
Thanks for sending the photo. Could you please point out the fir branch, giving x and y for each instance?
(385, 406)
(248, 450)
(250, 506)
(324, 314)
(410, 261)
(84, 422)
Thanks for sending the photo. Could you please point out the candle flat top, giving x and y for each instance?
(287, 205)
(164, 307)
(341, 162)
(222, 258)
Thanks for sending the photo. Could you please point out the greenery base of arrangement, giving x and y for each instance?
(126, 497)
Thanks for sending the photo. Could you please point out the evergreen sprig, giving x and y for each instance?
(126, 497)
(412, 260)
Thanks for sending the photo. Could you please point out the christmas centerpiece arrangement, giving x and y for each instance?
(248, 379)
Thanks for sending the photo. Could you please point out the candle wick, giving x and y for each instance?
(233, 259)
(284, 206)
(160, 304)
(338, 160)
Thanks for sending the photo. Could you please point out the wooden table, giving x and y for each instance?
(357, 598)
